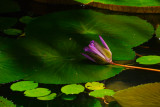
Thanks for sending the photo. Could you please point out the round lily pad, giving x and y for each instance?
(6, 103)
(38, 92)
(94, 85)
(148, 60)
(72, 89)
(68, 97)
(48, 97)
(101, 93)
(23, 85)
(25, 19)
(60, 52)
(13, 31)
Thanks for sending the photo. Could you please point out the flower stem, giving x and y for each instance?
(135, 67)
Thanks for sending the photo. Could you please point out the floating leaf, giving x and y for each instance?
(147, 95)
(23, 85)
(94, 85)
(48, 97)
(6, 22)
(72, 89)
(6, 103)
(38, 92)
(13, 31)
(25, 19)
(101, 93)
(148, 60)
(60, 52)
(8, 6)
(68, 97)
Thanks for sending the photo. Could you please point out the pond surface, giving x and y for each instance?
(126, 78)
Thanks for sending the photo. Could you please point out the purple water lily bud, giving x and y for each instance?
(97, 53)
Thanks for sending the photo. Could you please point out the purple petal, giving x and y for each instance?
(104, 43)
(87, 56)
(95, 50)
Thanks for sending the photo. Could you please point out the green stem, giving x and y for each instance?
(135, 67)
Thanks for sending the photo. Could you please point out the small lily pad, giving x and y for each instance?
(148, 60)
(94, 86)
(101, 93)
(72, 89)
(68, 97)
(25, 19)
(23, 86)
(6, 103)
(48, 97)
(38, 92)
(13, 31)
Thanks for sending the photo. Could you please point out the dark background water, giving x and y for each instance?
(127, 78)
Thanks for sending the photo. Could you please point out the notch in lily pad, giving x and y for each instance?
(102, 93)
(48, 97)
(149, 60)
(23, 85)
(94, 85)
(38, 92)
(72, 89)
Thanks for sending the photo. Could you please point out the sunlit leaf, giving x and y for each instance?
(68, 97)
(38, 92)
(48, 97)
(13, 31)
(148, 60)
(101, 93)
(6, 103)
(147, 95)
(23, 85)
(94, 85)
(72, 89)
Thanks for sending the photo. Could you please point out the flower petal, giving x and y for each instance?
(87, 56)
(104, 43)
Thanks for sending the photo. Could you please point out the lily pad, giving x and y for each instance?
(60, 52)
(101, 93)
(72, 89)
(8, 6)
(6, 22)
(23, 85)
(147, 95)
(149, 60)
(94, 85)
(38, 92)
(13, 31)
(6, 103)
(139, 3)
(25, 19)
(68, 97)
(48, 97)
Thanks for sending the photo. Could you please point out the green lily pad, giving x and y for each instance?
(23, 86)
(6, 22)
(38, 92)
(101, 93)
(25, 19)
(68, 97)
(8, 6)
(72, 89)
(6, 103)
(147, 95)
(139, 3)
(60, 52)
(94, 85)
(48, 97)
(12, 31)
(148, 60)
